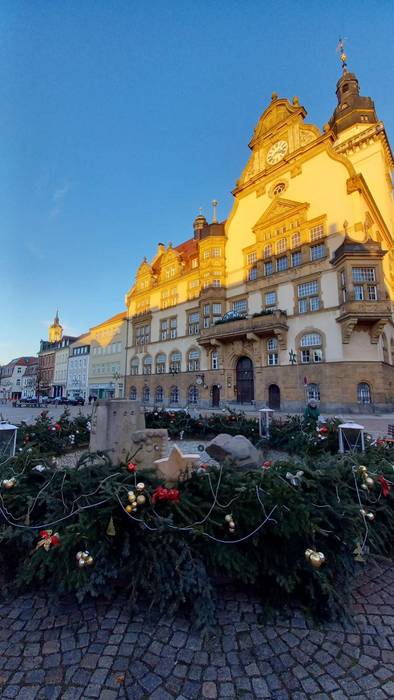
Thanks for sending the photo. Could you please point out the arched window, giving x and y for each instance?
(193, 360)
(174, 394)
(133, 393)
(363, 393)
(193, 394)
(281, 245)
(296, 240)
(134, 366)
(215, 360)
(313, 392)
(175, 362)
(147, 365)
(160, 363)
(267, 251)
(146, 394)
(311, 348)
(159, 394)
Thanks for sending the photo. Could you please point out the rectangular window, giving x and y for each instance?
(216, 308)
(270, 299)
(194, 263)
(173, 327)
(282, 263)
(240, 306)
(317, 232)
(142, 335)
(295, 240)
(273, 359)
(268, 268)
(296, 258)
(216, 283)
(359, 292)
(207, 254)
(216, 252)
(308, 288)
(363, 274)
(318, 251)
(193, 284)
(251, 258)
(207, 321)
(372, 293)
(311, 356)
(206, 309)
(163, 329)
(252, 274)
(194, 323)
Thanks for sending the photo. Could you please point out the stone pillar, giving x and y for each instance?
(113, 423)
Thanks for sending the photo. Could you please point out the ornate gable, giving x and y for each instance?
(278, 112)
(279, 210)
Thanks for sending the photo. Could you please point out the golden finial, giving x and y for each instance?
(342, 54)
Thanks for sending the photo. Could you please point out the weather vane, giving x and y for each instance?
(342, 55)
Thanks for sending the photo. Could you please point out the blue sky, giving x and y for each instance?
(119, 119)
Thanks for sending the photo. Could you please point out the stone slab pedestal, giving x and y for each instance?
(118, 428)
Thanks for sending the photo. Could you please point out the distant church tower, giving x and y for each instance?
(55, 330)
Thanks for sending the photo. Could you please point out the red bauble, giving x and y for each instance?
(131, 467)
(55, 539)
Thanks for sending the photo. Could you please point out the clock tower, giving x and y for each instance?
(55, 330)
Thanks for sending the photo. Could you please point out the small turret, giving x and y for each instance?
(55, 330)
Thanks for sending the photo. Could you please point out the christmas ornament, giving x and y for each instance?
(141, 499)
(163, 494)
(111, 528)
(385, 485)
(129, 509)
(367, 514)
(295, 479)
(316, 559)
(48, 539)
(131, 496)
(140, 486)
(369, 482)
(131, 467)
(9, 483)
(228, 518)
(267, 464)
(358, 553)
(84, 559)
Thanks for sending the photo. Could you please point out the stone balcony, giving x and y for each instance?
(249, 328)
(371, 314)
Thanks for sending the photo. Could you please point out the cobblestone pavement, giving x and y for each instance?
(52, 649)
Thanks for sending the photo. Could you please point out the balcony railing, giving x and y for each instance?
(262, 325)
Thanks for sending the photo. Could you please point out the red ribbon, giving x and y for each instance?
(385, 485)
(163, 494)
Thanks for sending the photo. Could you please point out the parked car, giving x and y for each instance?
(79, 401)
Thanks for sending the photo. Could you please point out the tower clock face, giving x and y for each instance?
(277, 151)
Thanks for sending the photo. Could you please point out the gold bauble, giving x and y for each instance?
(315, 560)
(129, 509)
(362, 468)
(89, 560)
(141, 499)
(140, 486)
(369, 482)
(308, 553)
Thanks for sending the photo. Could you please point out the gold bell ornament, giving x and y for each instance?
(84, 559)
(316, 559)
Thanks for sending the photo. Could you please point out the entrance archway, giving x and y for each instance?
(245, 381)
(215, 396)
(274, 397)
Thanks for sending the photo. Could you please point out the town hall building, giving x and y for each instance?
(291, 297)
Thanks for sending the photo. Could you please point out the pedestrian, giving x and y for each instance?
(90, 400)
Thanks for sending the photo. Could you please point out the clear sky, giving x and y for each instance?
(119, 119)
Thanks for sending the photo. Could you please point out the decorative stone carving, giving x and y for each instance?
(176, 464)
(377, 330)
(347, 329)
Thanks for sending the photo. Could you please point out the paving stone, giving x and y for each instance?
(209, 690)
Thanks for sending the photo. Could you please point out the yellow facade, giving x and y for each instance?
(107, 357)
(304, 263)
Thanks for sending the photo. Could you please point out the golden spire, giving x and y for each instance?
(342, 54)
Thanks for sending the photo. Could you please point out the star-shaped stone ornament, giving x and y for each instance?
(175, 464)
